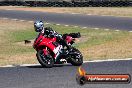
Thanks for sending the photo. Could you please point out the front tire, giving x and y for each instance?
(45, 60)
(76, 59)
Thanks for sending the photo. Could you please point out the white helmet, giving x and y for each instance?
(38, 26)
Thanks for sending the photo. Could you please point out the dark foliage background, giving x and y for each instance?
(72, 3)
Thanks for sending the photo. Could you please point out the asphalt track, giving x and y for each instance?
(61, 76)
(118, 23)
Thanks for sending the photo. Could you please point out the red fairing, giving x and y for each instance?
(38, 38)
(44, 41)
(48, 42)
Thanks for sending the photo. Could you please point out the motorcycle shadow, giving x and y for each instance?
(56, 65)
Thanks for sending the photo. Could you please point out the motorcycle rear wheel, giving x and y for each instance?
(45, 60)
(77, 58)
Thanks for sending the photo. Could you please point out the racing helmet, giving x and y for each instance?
(38, 26)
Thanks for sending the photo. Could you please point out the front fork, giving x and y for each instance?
(45, 51)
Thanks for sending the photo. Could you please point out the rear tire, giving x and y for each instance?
(45, 60)
(77, 58)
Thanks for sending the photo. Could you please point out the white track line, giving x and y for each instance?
(75, 26)
(66, 25)
(30, 21)
(96, 28)
(108, 60)
(67, 63)
(57, 24)
(117, 30)
(84, 27)
(29, 64)
(5, 18)
(8, 66)
(88, 14)
(14, 19)
(106, 29)
(105, 15)
(60, 12)
(75, 13)
(47, 23)
(9, 9)
(22, 20)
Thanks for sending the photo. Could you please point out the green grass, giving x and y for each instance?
(12, 37)
(15, 49)
(18, 36)
(90, 38)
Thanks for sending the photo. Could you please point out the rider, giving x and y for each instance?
(39, 27)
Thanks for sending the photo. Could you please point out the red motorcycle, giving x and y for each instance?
(50, 52)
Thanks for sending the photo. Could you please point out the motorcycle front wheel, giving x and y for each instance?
(45, 60)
